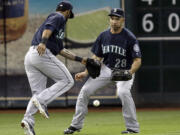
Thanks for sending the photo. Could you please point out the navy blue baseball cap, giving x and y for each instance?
(117, 12)
(66, 5)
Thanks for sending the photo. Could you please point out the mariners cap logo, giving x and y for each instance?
(117, 12)
(115, 9)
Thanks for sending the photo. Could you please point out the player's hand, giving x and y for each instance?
(130, 71)
(41, 49)
(84, 60)
(80, 76)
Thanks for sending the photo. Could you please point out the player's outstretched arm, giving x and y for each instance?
(68, 54)
(96, 58)
(81, 75)
(93, 68)
(135, 65)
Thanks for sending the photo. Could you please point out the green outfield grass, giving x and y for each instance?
(96, 123)
(88, 26)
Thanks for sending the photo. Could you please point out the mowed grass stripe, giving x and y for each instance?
(96, 123)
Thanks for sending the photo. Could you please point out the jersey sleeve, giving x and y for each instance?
(135, 49)
(53, 22)
(97, 47)
(61, 45)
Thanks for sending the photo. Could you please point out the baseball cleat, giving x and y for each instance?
(42, 109)
(129, 131)
(71, 130)
(28, 128)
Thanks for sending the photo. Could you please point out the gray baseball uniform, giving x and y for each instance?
(38, 68)
(117, 51)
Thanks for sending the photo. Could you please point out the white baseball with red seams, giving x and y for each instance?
(96, 103)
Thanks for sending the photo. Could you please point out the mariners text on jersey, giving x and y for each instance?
(113, 49)
(117, 50)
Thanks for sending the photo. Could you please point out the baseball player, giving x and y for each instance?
(119, 49)
(41, 62)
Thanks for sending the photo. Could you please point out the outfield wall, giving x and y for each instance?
(156, 82)
(17, 94)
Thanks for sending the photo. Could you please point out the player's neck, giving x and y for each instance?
(63, 13)
(113, 31)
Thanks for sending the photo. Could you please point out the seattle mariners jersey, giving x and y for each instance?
(118, 50)
(56, 23)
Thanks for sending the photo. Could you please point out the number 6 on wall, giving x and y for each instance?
(147, 24)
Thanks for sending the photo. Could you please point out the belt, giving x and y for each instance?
(34, 46)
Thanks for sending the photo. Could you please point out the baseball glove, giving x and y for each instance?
(93, 67)
(121, 75)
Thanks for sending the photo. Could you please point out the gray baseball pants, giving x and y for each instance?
(123, 91)
(38, 68)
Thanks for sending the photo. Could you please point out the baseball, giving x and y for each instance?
(96, 103)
